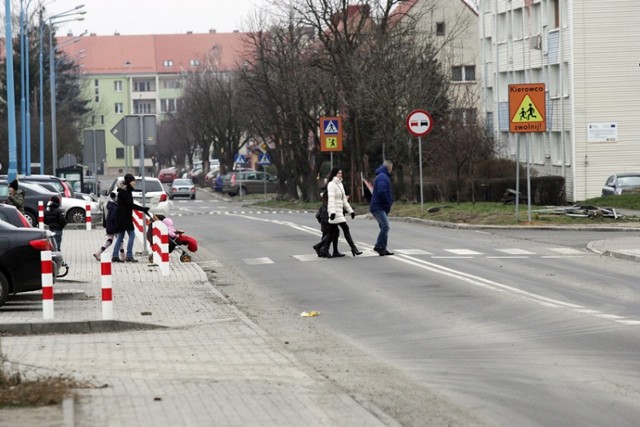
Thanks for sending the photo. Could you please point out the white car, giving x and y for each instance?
(155, 197)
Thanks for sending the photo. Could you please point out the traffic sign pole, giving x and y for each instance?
(419, 123)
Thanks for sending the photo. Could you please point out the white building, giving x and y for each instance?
(587, 53)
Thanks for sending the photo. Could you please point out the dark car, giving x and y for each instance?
(167, 175)
(217, 182)
(20, 265)
(249, 182)
(622, 183)
(10, 214)
(33, 194)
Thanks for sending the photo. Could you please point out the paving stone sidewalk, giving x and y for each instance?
(177, 354)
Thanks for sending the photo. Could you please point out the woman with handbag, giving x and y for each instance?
(337, 206)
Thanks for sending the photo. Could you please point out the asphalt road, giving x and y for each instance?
(503, 327)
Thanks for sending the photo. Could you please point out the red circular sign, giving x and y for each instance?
(419, 123)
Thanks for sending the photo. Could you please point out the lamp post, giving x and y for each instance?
(25, 110)
(55, 19)
(11, 103)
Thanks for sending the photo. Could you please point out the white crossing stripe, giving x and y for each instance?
(463, 252)
(566, 251)
(515, 251)
(307, 257)
(257, 261)
(413, 252)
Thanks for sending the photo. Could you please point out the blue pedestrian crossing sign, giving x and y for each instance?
(331, 127)
(264, 159)
(239, 159)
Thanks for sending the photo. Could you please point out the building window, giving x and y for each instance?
(117, 85)
(119, 108)
(465, 116)
(439, 28)
(171, 84)
(168, 105)
(142, 107)
(102, 120)
(120, 153)
(96, 83)
(142, 86)
(168, 63)
(463, 73)
(93, 120)
(194, 62)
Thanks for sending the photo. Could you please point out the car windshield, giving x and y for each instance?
(149, 186)
(629, 181)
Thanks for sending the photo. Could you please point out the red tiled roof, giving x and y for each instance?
(148, 53)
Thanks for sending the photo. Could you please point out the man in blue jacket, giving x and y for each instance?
(381, 201)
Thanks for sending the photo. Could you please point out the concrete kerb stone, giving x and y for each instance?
(79, 327)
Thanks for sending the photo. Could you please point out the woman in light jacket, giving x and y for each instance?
(337, 206)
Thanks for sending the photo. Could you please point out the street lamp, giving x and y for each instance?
(11, 103)
(55, 19)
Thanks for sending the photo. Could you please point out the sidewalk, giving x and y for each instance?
(177, 354)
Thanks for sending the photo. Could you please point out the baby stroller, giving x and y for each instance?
(178, 240)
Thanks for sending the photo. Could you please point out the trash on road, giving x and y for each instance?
(309, 314)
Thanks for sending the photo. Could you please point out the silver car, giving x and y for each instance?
(182, 187)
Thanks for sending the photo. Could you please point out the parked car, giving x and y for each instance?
(33, 194)
(20, 265)
(11, 215)
(155, 197)
(182, 188)
(75, 207)
(167, 175)
(249, 182)
(622, 183)
(211, 174)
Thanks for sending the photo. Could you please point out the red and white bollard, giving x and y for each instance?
(88, 214)
(46, 268)
(160, 246)
(40, 214)
(105, 280)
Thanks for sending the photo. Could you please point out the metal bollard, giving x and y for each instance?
(46, 268)
(106, 282)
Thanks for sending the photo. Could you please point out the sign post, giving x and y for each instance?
(264, 160)
(527, 113)
(420, 123)
(331, 135)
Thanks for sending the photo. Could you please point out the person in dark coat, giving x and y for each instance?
(329, 231)
(56, 220)
(124, 219)
(381, 201)
(16, 196)
(109, 224)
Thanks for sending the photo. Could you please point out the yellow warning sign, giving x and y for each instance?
(331, 143)
(527, 111)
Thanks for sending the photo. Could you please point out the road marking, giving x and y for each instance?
(257, 261)
(412, 252)
(566, 251)
(515, 251)
(463, 252)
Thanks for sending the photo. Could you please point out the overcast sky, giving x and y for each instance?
(105, 17)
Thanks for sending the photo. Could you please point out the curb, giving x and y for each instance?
(83, 327)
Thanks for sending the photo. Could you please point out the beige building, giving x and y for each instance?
(587, 53)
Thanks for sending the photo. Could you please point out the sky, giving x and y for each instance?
(105, 17)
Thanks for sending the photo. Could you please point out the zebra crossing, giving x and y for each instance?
(452, 253)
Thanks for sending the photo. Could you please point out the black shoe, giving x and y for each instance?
(386, 253)
(115, 259)
(317, 249)
(325, 254)
(355, 251)
(337, 254)
(131, 259)
(380, 251)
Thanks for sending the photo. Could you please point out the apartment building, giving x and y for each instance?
(586, 52)
(142, 75)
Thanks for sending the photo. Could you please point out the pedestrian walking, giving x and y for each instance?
(16, 196)
(56, 220)
(124, 220)
(337, 206)
(381, 201)
(109, 224)
(327, 229)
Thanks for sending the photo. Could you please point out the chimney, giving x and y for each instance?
(69, 33)
(236, 31)
(189, 32)
(212, 31)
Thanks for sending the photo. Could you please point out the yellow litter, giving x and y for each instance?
(309, 314)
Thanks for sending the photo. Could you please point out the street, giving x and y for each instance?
(513, 327)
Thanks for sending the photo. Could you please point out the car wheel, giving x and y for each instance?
(33, 220)
(76, 216)
(4, 289)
